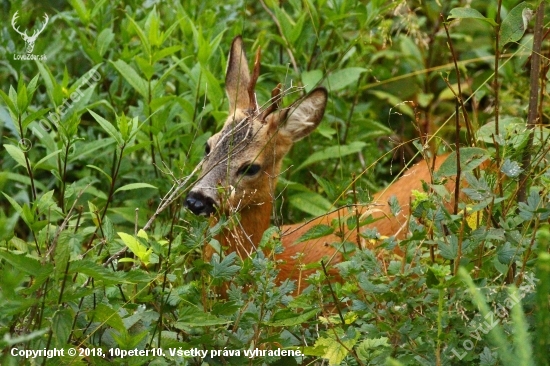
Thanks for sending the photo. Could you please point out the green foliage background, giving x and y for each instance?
(116, 118)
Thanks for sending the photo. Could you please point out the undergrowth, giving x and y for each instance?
(101, 138)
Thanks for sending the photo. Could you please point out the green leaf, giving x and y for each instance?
(53, 89)
(336, 350)
(9, 103)
(514, 25)
(100, 273)
(470, 158)
(140, 250)
(341, 78)
(333, 152)
(24, 338)
(34, 116)
(63, 252)
(26, 264)
(469, 13)
(22, 97)
(101, 171)
(288, 318)
(132, 77)
(14, 204)
(62, 323)
(311, 203)
(192, 317)
(224, 269)
(109, 316)
(311, 78)
(141, 35)
(108, 127)
(373, 348)
(104, 39)
(317, 231)
(511, 168)
(16, 154)
(80, 8)
(131, 186)
(44, 159)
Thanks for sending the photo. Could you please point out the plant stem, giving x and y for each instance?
(533, 101)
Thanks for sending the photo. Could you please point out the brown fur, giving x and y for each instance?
(251, 137)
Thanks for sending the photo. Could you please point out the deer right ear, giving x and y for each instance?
(304, 115)
(237, 77)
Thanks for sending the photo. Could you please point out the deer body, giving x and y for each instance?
(243, 160)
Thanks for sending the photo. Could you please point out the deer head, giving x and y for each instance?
(29, 40)
(243, 160)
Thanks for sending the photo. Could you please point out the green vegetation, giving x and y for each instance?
(115, 117)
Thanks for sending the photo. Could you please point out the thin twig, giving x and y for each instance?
(533, 101)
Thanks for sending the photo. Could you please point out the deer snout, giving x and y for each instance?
(200, 204)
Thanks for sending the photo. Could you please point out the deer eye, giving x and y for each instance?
(207, 149)
(249, 170)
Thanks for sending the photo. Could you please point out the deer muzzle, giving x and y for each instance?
(200, 204)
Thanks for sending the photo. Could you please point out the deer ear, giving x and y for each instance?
(237, 77)
(304, 115)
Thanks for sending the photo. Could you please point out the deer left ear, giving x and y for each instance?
(304, 115)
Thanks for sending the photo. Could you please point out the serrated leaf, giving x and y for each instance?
(100, 273)
(63, 252)
(341, 78)
(129, 187)
(23, 262)
(511, 168)
(336, 350)
(506, 253)
(317, 231)
(448, 250)
(192, 317)
(62, 323)
(226, 268)
(371, 348)
(107, 126)
(287, 318)
(469, 13)
(17, 154)
(514, 25)
(327, 186)
(395, 207)
(470, 158)
(109, 316)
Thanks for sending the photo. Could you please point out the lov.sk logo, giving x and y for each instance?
(29, 40)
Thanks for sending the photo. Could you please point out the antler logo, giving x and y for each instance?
(29, 40)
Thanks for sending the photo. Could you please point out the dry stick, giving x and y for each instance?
(533, 101)
(469, 135)
(458, 168)
(356, 213)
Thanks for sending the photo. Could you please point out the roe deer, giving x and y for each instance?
(243, 161)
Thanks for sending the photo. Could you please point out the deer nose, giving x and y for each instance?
(200, 204)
